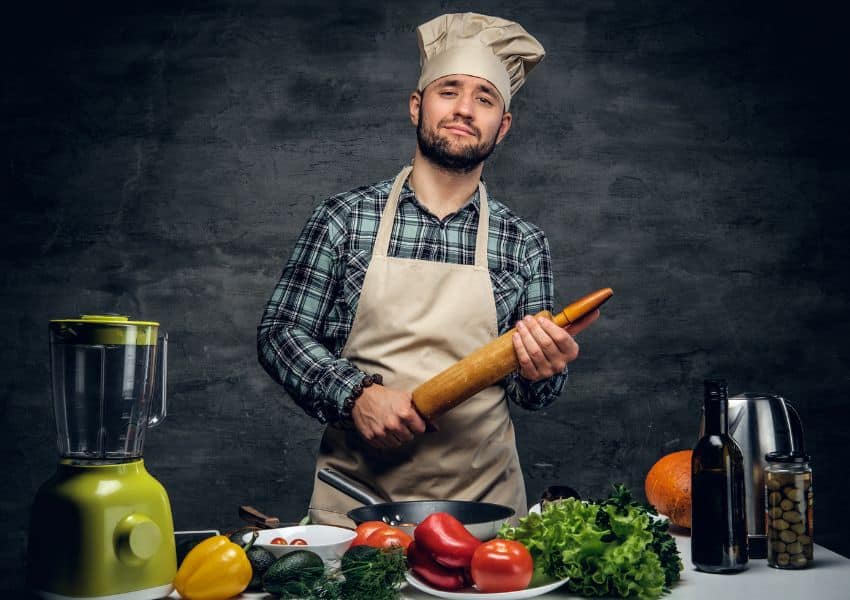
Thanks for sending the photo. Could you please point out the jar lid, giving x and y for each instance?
(787, 457)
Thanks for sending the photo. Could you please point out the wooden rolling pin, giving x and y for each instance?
(490, 363)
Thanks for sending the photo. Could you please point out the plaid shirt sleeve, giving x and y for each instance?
(538, 296)
(289, 338)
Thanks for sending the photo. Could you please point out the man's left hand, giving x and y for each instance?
(544, 349)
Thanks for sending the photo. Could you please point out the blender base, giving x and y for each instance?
(101, 532)
(148, 594)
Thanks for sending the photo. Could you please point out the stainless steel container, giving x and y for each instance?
(761, 423)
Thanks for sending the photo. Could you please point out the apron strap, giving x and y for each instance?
(482, 234)
(385, 228)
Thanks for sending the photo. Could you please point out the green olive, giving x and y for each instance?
(787, 536)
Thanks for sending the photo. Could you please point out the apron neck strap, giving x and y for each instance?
(385, 228)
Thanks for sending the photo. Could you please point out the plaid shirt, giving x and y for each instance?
(309, 316)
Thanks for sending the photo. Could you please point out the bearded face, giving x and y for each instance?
(450, 151)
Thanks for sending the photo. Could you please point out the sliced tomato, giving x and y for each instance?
(501, 566)
(278, 541)
(298, 542)
(389, 537)
(364, 530)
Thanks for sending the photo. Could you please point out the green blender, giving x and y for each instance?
(101, 527)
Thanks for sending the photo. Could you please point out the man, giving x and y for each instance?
(391, 283)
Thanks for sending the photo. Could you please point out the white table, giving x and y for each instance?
(827, 579)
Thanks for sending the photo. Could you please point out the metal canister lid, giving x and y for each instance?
(787, 457)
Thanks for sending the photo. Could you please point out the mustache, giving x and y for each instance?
(469, 126)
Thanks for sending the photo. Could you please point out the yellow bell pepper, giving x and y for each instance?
(215, 569)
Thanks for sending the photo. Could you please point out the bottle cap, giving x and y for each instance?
(715, 389)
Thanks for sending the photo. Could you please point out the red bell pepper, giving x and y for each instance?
(433, 573)
(446, 540)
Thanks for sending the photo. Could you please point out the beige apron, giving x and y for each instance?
(415, 318)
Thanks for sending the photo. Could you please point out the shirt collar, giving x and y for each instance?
(407, 195)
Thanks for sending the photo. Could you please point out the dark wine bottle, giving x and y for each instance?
(718, 509)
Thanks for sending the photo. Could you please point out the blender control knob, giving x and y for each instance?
(137, 538)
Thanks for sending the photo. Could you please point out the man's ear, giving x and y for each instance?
(415, 106)
(507, 119)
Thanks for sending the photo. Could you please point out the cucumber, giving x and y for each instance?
(294, 573)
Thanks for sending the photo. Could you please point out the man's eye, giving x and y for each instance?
(485, 100)
(447, 94)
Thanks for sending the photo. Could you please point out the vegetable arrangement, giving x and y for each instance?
(610, 547)
(371, 569)
(446, 556)
(218, 568)
(366, 573)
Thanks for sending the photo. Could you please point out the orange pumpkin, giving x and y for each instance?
(668, 487)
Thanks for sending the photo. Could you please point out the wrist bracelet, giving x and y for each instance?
(348, 404)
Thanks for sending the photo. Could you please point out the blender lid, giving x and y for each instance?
(107, 319)
(104, 330)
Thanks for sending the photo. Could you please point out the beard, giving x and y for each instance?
(439, 150)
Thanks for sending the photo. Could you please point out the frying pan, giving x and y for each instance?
(482, 519)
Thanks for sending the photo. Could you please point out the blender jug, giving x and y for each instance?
(107, 372)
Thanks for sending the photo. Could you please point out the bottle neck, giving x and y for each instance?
(716, 416)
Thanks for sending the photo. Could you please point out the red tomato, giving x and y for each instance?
(298, 542)
(389, 537)
(501, 566)
(364, 530)
(278, 541)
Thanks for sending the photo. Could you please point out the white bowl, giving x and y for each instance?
(329, 542)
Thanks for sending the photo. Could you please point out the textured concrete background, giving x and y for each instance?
(160, 160)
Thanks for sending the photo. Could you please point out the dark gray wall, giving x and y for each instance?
(160, 161)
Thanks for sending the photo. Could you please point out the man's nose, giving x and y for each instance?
(464, 104)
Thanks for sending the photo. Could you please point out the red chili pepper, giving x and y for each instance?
(446, 540)
(434, 574)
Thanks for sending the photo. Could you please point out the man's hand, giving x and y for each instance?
(543, 348)
(385, 417)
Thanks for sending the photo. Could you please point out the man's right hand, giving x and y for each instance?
(386, 417)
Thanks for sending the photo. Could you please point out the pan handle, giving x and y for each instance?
(347, 486)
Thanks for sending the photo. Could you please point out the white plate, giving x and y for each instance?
(473, 594)
(658, 517)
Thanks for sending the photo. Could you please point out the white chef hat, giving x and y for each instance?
(500, 51)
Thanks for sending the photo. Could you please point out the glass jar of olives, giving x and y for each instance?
(788, 510)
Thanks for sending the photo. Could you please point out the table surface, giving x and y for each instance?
(828, 578)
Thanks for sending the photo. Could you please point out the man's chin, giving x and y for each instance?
(456, 141)
(464, 150)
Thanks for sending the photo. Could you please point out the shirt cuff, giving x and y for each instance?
(535, 395)
(337, 386)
